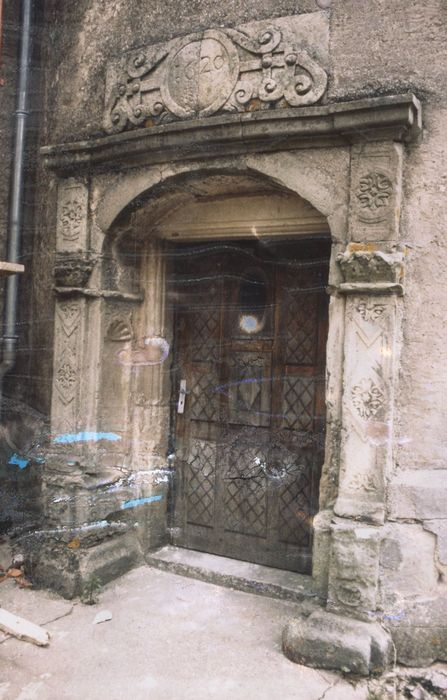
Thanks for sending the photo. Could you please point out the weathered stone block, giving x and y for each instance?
(420, 495)
(325, 640)
(110, 559)
(407, 563)
(419, 632)
(439, 528)
(66, 568)
(354, 569)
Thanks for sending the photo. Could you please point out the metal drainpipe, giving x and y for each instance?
(16, 204)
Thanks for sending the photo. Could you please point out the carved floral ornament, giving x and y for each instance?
(374, 191)
(367, 398)
(66, 376)
(71, 218)
(215, 70)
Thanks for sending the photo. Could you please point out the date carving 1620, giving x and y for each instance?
(215, 70)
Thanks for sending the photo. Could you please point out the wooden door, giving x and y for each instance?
(249, 429)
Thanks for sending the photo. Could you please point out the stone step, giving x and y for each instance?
(232, 573)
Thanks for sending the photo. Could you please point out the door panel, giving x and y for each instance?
(250, 340)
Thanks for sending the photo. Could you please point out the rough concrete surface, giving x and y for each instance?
(172, 638)
(169, 637)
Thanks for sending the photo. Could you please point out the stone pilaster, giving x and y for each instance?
(151, 396)
(346, 634)
(372, 281)
(151, 387)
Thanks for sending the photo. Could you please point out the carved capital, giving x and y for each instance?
(73, 269)
(371, 271)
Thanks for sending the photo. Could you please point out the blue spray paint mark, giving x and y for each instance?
(394, 616)
(20, 462)
(86, 436)
(139, 501)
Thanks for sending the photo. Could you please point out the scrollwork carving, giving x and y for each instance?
(211, 71)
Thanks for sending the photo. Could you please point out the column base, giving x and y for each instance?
(67, 568)
(325, 640)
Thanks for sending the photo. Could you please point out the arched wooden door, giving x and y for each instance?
(248, 407)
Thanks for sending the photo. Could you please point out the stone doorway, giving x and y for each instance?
(248, 396)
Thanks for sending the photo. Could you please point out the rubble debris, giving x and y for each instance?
(102, 616)
(411, 684)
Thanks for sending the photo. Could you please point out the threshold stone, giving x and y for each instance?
(232, 573)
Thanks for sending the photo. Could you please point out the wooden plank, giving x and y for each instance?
(23, 629)
(9, 268)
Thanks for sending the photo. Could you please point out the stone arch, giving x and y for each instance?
(318, 178)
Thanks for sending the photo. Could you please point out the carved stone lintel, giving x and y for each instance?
(73, 269)
(257, 66)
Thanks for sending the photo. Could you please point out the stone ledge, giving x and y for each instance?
(233, 573)
(325, 640)
(100, 294)
(397, 117)
(418, 495)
